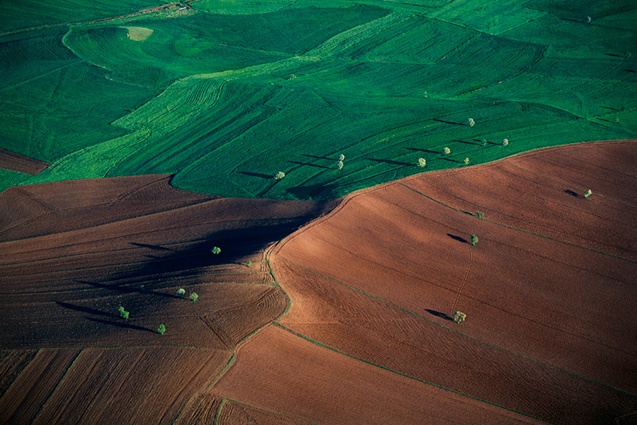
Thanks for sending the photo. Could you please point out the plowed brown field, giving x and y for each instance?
(16, 162)
(73, 252)
(362, 333)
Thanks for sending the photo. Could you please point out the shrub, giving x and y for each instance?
(459, 317)
(341, 157)
(474, 240)
(216, 250)
(181, 292)
(279, 175)
(588, 193)
(161, 329)
(466, 161)
(480, 214)
(471, 122)
(249, 264)
(446, 150)
(194, 296)
(340, 164)
(422, 162)
(505, 142)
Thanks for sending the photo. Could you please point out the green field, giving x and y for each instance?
(226, 93)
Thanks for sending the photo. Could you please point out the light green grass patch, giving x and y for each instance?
(138, 33)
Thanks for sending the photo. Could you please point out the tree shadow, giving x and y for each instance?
(260, 175)
(570, 192)
(83, 309)
(451, 122)
(153, 247)
(390, 162)
(438, 314)
(319, 157)
(455, 161)
(457, 238)
(466, 142)
(120, 324)
(424, 150)
(309, 164)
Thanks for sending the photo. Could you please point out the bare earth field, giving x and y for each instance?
(16, 162)
(356, 328)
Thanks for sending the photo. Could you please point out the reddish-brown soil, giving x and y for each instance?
(547, 331)
(277, 371)
(73, 252)
(362, 333)
(16, 162)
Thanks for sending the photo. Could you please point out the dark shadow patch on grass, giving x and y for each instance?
(127, 289)
(438, 314)
(314, 191)
(309, 164)
(615, 55)
(83, 309)
(466, 142)
(457, 238)
(120, 324)
(570, 192)
(260, 175)
(391, 162)
(455, 161)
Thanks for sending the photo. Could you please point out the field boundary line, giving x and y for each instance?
(399, 373)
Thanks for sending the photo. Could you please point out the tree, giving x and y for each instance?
(181, 292)
(194, 296)
(446, 150)
(588, 193)
(480, 214)
(279, 175)
(161, 329)
(422, 162)
(341, 157)
(339, 164)
(459, 317)
(466, 161)
(216, 250)
(123, 313)
(474, 240)
(471, 122)
(505, 142)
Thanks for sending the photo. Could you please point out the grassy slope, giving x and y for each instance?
(228, 94)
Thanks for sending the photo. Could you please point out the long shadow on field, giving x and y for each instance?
(391, 162)
(120, 325)
(457, 238)
(570, 192)
(438, 314)
(309, 164)
(320, 157)
(261, 175)
(424, 150)
(83, 309)
(451, 122)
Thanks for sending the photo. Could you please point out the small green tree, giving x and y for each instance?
(588, 193)
(480, 214)
(505, 142)
(422, 162)
(446, 150)
(341, 157)
(466, 161)
(181, 292)
(161, 329)
(471, 122)
(280, 175)
(123, 313)
(459, 317)
(340, 164)
(474, 240)
(249, 264)
(194, 296)
(216, 250)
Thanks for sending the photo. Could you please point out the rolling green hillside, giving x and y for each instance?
(224, 94)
